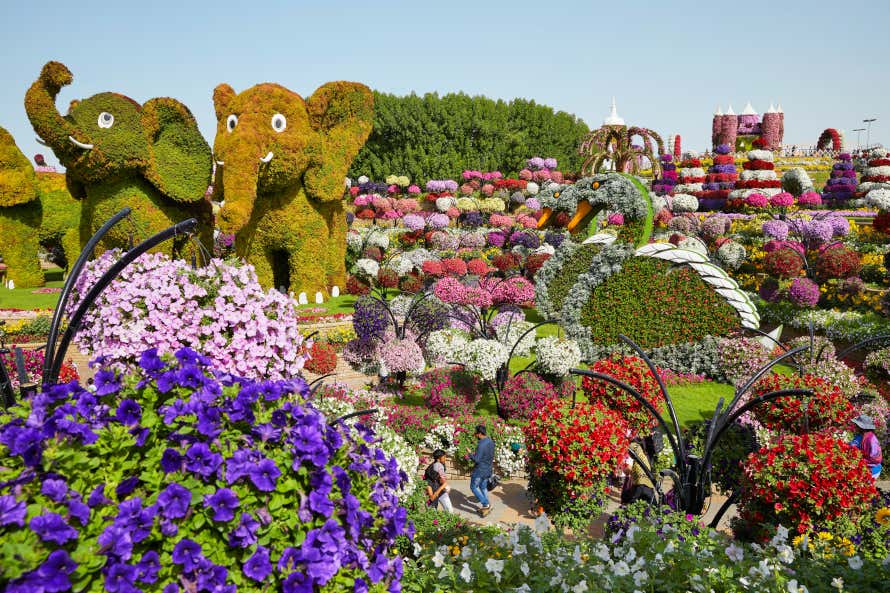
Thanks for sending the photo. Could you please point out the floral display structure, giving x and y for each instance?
(282, 178)
(720, 179)
(691, 177)
(841, 185)
(220, 309)
(117, 153)
(145, 493)
(35, 209)
(757, 177)
(664, 185)
(877, 174)
(614, 142)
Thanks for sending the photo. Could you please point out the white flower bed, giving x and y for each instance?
(883, 171)
(879, 198)
(443, 345)
(683, 202)
(557, 356)
(691, 172)
(484, 357)
(760, 155)
(685, 188)
(758, 176)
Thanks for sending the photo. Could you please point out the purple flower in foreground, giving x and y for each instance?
(116, 542)
(53, 573)
(12, 512)
(201, 460)
(264, 475)
(245, 534)
(174, 501)
(187, 553)
(121, 578)
(223, 502)
(258, 566)
(148, 567)
(51, 527)
(150, 361)
(106, 382)
(129, 412)
(55, 490)
(171, 588)
(171, 461)
(97, 496)
(79, 511)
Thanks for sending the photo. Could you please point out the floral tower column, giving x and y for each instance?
(691, 176)
(841, 185)
(877, 174)
(758, 176)
(720, 179)
(664, 185)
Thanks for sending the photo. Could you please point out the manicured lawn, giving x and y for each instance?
(345, 303)
(695, 402)
(24, 298)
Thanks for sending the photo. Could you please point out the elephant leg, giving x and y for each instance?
(71, 246)
(19, 249)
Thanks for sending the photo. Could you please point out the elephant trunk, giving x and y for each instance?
(239, 181)
(40, 105)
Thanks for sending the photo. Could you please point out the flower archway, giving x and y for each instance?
(831, 136)
(615, 143)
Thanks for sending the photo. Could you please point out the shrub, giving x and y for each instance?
(782, 263)
(220, 309)
(802, 481)
(450, 391)
(827, 409)
(691, 309)
(563, 270)
(523, 394)
(171, 477)
(322, 358)
(740, 357)
(571, 451)
(838, 262)
(803, 292)
(634, 372)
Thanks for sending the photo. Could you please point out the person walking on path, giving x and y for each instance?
(483, 459)
(866, 441)
(437, 483)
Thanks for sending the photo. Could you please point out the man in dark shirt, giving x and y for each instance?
(483, 459)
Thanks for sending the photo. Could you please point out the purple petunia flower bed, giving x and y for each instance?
(177, 478)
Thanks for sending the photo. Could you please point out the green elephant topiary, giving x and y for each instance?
(35, 209)
(282, 162)
(118, 153)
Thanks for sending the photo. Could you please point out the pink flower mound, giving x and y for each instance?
(524, 394)
(219, 310)
(757, 201)
(782, 200)
(413, 189)
(526, 175)
(450, 392)
(501, 221)
(488, 189)
(401, 355)
(616, 219)
(512, 291)
(804, 292)
(809, 198)
(449, 290)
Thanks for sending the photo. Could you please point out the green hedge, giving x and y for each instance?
(433, 137)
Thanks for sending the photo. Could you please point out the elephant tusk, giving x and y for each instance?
(545, 216)
(584, 208)
(41, 141)
(80, 144)
(220, 163)
(267, 158)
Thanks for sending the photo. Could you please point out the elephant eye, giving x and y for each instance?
(279, 122)
(106, 120)
(231, 122)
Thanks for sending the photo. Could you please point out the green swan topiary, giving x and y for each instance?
(35, 209)
(657, 294)
(281, 165)
(119, 153)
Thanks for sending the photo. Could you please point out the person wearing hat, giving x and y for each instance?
(866, 441)
(483, 459)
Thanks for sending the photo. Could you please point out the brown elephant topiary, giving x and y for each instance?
(35, 209)
(282, 162)
(119, 153)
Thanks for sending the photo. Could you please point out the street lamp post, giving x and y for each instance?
(859, 138)
(868, 122)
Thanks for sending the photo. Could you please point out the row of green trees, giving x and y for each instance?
(432, 137)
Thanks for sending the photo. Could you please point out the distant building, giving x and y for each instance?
(740, 131)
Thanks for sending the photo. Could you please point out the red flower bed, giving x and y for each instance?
(580, 445)
(838, 262)
(881, 222)
(724, 159)
(356, 287)
(879, 163)
(690, 163)
(828, 408)
(322, 358)
(754, 184)
(692, 179)
(634, 372)
(34, 367)
(524, 394)
(758, 165)
(803, 481)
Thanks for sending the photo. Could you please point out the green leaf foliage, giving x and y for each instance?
(433, 137)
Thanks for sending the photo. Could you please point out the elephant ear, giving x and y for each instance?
(180, 160)
(342, 113)
(18, 182)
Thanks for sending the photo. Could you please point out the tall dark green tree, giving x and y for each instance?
(434, 137)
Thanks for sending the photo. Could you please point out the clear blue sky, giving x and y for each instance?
(668, 64)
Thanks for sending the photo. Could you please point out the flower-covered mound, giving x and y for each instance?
(220, 310)
(172, 479)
